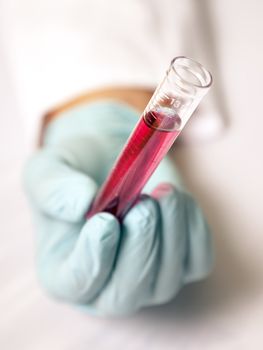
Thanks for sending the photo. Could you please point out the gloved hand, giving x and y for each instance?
(110, 269)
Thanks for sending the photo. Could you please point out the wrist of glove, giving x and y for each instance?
(163, 242)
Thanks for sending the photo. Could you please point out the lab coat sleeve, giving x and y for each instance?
(58, 49)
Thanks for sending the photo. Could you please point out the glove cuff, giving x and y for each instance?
(104, 118)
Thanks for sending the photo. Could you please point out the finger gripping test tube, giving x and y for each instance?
(185, 84)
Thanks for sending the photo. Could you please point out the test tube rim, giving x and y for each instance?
(206, 71)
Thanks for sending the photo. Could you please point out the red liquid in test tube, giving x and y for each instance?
(150, 141)
(185, 84)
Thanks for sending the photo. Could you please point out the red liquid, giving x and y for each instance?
(141, 155)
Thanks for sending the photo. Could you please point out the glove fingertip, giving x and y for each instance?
(145, 212)
(104, 226)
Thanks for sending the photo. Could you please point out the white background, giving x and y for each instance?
(226, 175)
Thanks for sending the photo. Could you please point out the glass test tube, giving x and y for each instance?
(185, 84)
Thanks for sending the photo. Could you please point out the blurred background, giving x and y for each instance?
(53, 50)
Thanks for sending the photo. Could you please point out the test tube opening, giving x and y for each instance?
(185, 84)
(189, 75)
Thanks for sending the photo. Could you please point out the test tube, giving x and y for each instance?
(185, 84)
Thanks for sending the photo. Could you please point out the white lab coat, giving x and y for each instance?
(57, 49)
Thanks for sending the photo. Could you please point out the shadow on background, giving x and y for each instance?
(233, 281)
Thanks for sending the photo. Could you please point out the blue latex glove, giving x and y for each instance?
(110, 269)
